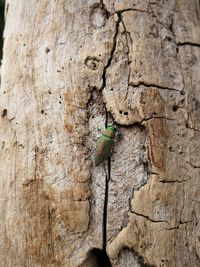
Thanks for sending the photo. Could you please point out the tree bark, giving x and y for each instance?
(70, 68)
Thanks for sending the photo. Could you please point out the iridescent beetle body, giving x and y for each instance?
(105, 144)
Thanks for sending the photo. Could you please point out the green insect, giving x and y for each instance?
(105, 144)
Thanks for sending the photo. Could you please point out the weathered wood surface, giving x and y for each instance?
(68, 67)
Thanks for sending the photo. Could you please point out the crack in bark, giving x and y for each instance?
(183, 204)
(36, 150)
(28, 182)
(146, 84)
(193, 165)
(140, 123)
(157, 117)
(105, 212)
(174, 181)
(193, 129)
(148, 218)
(111, 54)
(126, 33)
(178, 226)
(188, 43)
(187, 241)
(107, 177)
(128, 55)
(131, 9)
(51, 233)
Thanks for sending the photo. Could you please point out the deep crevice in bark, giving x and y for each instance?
(106, 204)
(107, 177)
(101, 257)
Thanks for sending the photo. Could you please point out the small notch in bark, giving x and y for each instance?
(47, 50)
(174, 108)
(4, 113)
(168, 38)
(182, 92)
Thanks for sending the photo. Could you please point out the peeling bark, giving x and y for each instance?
(69, 70)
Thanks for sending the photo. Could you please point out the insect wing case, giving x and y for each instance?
(103, 149)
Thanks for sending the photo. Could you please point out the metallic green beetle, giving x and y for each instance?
(105, 144)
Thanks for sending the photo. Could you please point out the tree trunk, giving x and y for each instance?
(70, 68)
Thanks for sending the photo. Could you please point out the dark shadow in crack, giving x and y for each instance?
(97, 258)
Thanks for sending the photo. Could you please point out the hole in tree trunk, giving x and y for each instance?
(101, 257)
(97, 258)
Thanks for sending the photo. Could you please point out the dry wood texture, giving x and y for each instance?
(70, 67)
